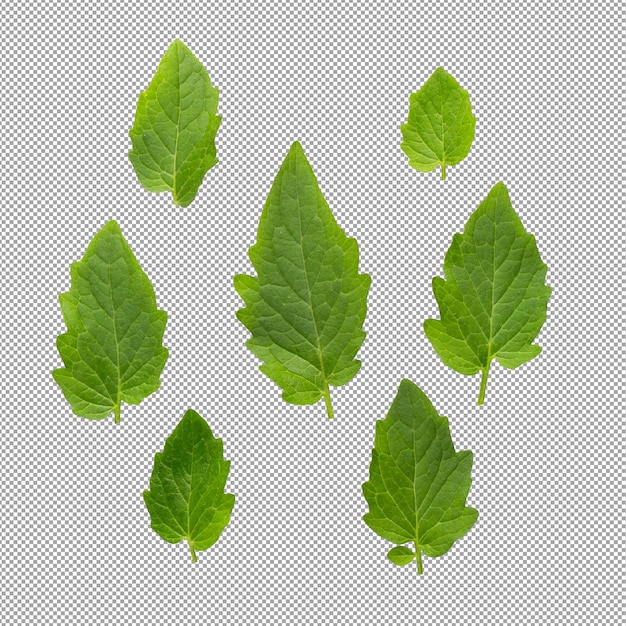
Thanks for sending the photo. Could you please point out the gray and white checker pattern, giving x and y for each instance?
(547, 84)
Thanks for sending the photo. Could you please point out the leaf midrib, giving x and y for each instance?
(177, 129)
(118, 401)
(417, 516)
(309, 293)
(443, 126)
(493, 290)
(189, 529)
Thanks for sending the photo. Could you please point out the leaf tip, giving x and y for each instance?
(406, 383)
(499, 192)
(296, 150)
(177, 43)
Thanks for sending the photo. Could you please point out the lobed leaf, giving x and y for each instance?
(417, 483)
(440, 126)
(112, 350)
(306, 308)
(187, 498)
(493, 301)
(175, 125)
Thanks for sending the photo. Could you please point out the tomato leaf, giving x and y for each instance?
(112, 350)
(187, 498)
(417, 482)
(306, 308)
(493, 301)
(176, 121)
(440, 126)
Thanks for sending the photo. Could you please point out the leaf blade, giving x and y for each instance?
(417, 483)
(440, 127)
(112, 351)
(176, 122)
(306, 307)
(187, 499)
(493, 299)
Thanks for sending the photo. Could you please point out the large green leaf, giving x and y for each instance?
(112, 350)
(417, 483)
(187, 498)
(306, 308)
(175, 125)
(494, 299)
(440, 127)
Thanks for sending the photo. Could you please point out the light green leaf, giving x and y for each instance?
(417, 482)
(112, 350)
(494, 299)
(440, 126)
(400, 555)
(186, 499)
(306, 308)
(175, 125)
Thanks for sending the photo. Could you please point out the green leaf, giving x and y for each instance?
(400, 555)
(306, 308)
(440, 126)
(494, 299)
(417, 483)
(112, 350)
(186, 499)
(175, 125)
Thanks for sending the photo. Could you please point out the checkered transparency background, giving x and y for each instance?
(546, 81)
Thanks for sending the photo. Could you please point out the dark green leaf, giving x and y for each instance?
(186, 499)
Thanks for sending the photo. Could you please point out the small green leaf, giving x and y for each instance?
(440, 126)
(176, 121)
(494, 299)
(112, 350)
(306, 308)
(417, 482)
(401, 555)
(186, 499)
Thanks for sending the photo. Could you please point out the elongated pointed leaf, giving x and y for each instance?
(187, 498)
(306, 308)
(494, 299)
(440, 126)
(417, 483)
(112, 350)
(176, 121)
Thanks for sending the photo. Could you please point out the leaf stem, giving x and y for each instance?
(443, 171)
(117, 409)
(418, 560)
(329, 405)
(194, 558)
(483, 384)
